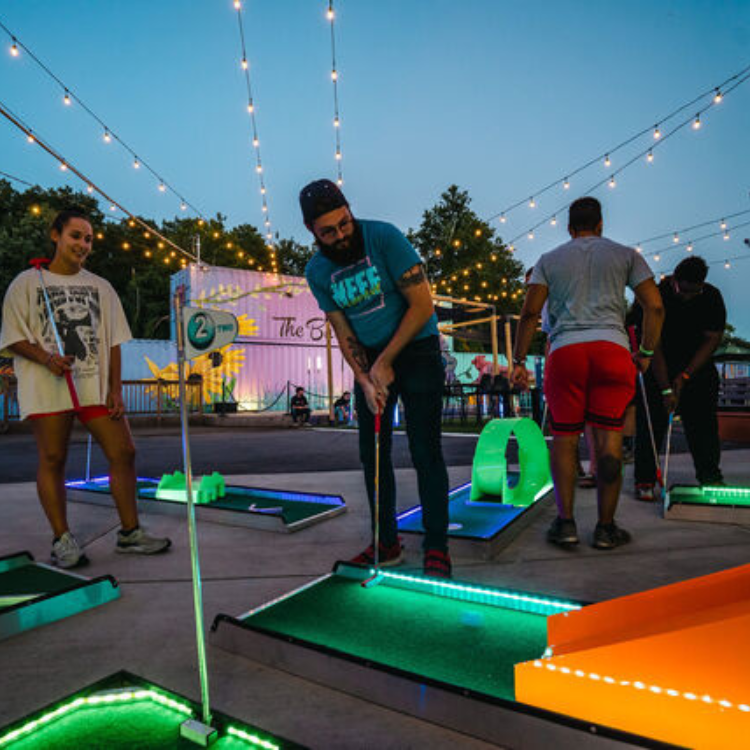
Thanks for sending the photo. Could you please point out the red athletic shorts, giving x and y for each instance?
(85, 413)
(591, 382)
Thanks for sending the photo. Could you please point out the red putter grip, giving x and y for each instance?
(377, 423)
(72, 389)
(633, 340)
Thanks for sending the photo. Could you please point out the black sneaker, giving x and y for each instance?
(437, 564)
(609, 536)
(563, 531)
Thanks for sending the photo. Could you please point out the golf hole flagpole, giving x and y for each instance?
(198, 332)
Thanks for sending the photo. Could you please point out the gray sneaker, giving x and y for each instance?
(609, 536)
(66, 553)
(138, 542)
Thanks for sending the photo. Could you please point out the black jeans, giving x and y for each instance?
(419, 378)
(697, 408)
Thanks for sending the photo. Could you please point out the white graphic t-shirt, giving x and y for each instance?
(90, 321)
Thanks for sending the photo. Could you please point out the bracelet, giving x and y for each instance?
(666, 392)
(646, 352)
(519, 361)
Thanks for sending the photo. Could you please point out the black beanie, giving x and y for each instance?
(319, 198)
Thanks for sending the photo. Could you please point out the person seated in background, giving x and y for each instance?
(300, 408)
(342, 408)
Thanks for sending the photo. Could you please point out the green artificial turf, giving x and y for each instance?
(135, 726)
(35, 579)
(468, 645)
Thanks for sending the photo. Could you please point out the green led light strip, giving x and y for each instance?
(728, 491)
(527, 602)
(252, 739)
(98, 699)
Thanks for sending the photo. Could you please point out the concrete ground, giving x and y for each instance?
(149, 630)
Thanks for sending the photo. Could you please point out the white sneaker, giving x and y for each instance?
(66, 553)
(138, 542)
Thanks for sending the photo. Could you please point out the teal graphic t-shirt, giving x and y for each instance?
(366, 291)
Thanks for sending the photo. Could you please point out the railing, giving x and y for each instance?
(142, 397)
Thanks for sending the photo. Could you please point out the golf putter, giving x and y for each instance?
(374, 579)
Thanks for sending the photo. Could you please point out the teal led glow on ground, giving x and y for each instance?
(478, 594)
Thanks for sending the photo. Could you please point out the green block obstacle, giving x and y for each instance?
(205, 489)
(489, 473)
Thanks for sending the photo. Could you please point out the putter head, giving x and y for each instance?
(38, 263)
(373, 580)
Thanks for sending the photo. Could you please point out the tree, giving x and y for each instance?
(463, 256)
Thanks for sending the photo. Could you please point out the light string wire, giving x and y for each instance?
(331, 15)
(245, 64)
(91, 185)
(678, 232)
(109, 133)
(15, 179)
(688, 244)
(610, 179)
(718, 91)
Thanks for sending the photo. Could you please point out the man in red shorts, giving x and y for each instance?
(590, 373)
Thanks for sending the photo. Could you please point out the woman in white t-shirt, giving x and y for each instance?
(91, 325)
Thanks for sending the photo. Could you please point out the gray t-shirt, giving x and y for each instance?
(586, 279)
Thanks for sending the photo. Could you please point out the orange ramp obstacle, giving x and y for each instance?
(671, 663)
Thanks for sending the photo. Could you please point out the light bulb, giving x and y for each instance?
(338, 156)
(263, 190)
(612, 182)
(553, 221)
(650, 156)
(532, 203)
(244, 63)
(265, 208)
(237, 4)
(718, 96)
(107, 137)
(657, 132)
(697, 122)
(340, 182)
(566, 184)
(607, 161)
(336, 122)
(112, 207)
(89, 188)
(259, 169)
(689, 248)
(251, 108)
(638, 249)
(66, 98)
(502, 219)
(14, 48)
(30, 138)
(162, 187)
(256, 142)
(63, 166)
(723, 224)
(136, 163)
(334, 75)
(726, 235)
(727, 264)
(330, 14)
(675, 238)
(657, 257)
(531, 235)
(183, 206)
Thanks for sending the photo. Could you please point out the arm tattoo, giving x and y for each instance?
(413, 277)
(358, 352)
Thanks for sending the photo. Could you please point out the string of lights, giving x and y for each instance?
(716, 92)
(91, 187)
(675, 235)
(726, 262)
(16, 179)
(245, 64)
(331, 15)
(108, 133)
(725, 233)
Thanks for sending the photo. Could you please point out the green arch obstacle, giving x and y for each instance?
(489, 474)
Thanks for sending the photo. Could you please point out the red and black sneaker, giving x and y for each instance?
(437, 564)
(645, 492)
(389, 556)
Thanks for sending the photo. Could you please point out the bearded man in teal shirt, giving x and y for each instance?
(371, 284)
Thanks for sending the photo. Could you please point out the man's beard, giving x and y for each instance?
(353, 250)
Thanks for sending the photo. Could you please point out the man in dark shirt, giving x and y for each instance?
(300, 408)
(683, 377)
